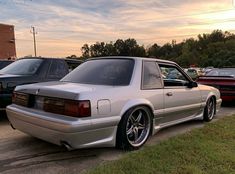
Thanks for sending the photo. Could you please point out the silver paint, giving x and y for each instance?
(170, 106)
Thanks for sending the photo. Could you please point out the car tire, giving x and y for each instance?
(209, 110)
(134, 128)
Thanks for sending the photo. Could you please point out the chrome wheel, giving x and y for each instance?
(138, 127)
(211, 109)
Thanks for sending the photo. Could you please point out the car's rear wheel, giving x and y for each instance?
(134, 128)
(209, 110)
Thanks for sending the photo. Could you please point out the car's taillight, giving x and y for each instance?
(53, 105)
(72, 108)
(77, 108)
(20, 99)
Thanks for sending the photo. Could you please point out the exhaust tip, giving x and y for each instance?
(66, 145)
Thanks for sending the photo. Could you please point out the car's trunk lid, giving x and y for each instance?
(219, 82)
(63, 90)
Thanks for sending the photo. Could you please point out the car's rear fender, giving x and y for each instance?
(136, 102)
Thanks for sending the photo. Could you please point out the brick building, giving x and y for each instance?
(7, 42)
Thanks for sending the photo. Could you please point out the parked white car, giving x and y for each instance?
(111, 101)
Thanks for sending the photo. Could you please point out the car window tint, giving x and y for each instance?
(172, 76)
(57, 69)
(114, 72)
(151, 76)
(23, 67)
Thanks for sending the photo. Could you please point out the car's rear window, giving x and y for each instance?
(114, 72)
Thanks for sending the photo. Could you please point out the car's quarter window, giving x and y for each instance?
(172, 76)
(57, 69)
(151, 78)
(114, 72)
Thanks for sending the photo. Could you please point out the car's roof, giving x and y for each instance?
(136, 58)
(50, 58)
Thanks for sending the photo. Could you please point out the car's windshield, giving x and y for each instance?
(114, 72)
(22, 67)
(221, 72)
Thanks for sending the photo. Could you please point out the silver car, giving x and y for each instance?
(111, 101)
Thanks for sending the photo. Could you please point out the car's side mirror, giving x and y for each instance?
(192, 84)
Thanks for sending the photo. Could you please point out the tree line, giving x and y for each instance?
(216, 49)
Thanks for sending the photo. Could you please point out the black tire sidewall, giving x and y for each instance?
(206, 114)
(121, 139)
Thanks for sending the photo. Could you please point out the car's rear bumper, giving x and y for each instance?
(57, 129)
(228, 98)
(228, 95)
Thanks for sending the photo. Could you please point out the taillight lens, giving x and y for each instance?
(77, 108)
(20, 99)
(73, 108)
(66, 107)
(53, 105)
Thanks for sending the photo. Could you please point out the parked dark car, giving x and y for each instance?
(4, 63)
(32, 70)
(223, 79)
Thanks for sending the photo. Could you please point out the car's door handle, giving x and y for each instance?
(169, 94)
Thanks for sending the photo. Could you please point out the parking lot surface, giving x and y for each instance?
(21, 153)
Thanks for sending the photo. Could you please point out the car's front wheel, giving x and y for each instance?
(209, 110)
(134, 128)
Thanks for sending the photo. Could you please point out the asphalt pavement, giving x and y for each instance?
(23, 154)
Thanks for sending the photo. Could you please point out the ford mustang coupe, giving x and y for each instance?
(111, 101)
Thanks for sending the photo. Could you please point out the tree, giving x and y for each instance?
(85, 51)
(214, 49)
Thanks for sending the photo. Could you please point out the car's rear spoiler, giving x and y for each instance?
(216, 77)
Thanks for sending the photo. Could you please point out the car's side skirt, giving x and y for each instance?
(157, 127)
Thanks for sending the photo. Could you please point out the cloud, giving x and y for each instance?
(64, 26)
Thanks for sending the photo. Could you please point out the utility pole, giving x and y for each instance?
(34, 40)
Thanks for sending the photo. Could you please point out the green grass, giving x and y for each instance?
(209, 150)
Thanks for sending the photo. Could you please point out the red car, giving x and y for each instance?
(223, 79)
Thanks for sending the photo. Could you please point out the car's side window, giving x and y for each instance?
(57, 69)
(151, 78)
(172, 76)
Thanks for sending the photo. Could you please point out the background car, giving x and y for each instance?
(222, 79)
(111, 101)
(208, 69)
(32, 70)
(194, 72)
(4, 63)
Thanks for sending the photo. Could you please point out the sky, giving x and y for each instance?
(63, 26)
